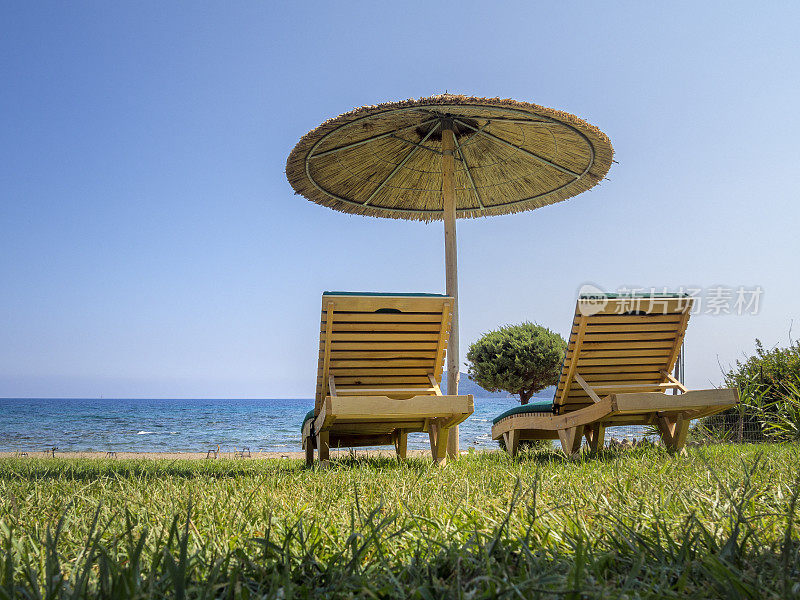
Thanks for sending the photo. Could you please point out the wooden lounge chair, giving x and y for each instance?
(617, 369)
(380, 366)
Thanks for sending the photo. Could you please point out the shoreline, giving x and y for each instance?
(167, 455)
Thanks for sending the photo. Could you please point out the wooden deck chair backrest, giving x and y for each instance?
(382, 344)
(621, 343)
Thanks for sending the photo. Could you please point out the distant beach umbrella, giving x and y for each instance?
(448, 157)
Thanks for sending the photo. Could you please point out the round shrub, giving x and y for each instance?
(519, 359)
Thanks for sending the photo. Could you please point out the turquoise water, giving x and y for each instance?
(136, 425)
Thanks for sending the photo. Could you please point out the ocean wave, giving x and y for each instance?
(144, 432)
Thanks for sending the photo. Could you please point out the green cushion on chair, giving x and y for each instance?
(309, 415)
(540, 406)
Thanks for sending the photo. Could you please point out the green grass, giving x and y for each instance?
(718, 523)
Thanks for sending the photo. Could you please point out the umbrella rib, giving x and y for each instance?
(370, 139)
(474, 135)
(469, 174)
(400, 165)
(523, 150)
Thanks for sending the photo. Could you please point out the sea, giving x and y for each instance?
(186, 425)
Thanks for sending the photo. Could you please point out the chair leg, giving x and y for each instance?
(401, 443)
(576, 445)
(511, 439)
(309, 451)
(571, 439)
(595, 436)
(666, 427)
(681, 432)
(438, 436)
(441, 445)
(323, 445)
(674, 430)
(567, 437)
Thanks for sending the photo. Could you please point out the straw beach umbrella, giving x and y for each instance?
(448, 157)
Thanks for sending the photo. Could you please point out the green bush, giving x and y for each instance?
(519, 359)
(769, 398)
(771, 370)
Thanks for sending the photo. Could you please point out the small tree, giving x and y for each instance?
(519, 359)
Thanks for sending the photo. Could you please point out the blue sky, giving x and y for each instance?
(150, 245)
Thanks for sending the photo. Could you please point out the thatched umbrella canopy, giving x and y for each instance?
(445, 157)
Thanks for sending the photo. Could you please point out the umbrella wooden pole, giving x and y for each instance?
(451, 266)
